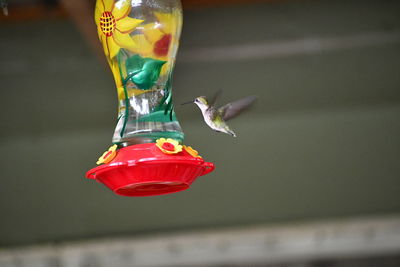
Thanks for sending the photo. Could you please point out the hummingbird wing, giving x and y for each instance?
(215, 98)
(233, 109)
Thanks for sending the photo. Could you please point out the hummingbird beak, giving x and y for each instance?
(189, 102)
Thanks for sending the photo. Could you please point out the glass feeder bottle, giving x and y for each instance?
(140, 40)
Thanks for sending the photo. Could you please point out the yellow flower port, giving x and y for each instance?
(168, 146)
(194, 153)
(108, 156)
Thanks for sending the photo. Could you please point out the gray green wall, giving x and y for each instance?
(322, 141)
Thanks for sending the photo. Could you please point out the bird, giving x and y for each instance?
(215, 117)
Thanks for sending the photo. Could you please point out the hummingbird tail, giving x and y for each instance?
(230, 132)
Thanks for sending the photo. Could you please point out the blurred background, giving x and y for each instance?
(313, 178)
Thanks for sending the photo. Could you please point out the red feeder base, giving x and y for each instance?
(144, 170)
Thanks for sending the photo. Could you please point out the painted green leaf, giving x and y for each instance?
(144, 72)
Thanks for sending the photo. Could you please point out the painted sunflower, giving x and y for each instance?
(114, 26)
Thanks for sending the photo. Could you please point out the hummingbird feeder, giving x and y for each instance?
(140, 40)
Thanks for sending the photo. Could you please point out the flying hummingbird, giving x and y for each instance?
(216, 117)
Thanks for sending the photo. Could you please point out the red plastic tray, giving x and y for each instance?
(144, 170)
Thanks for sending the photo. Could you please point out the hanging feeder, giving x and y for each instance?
(140, 40)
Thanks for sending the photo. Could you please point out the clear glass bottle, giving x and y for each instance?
(140, 40)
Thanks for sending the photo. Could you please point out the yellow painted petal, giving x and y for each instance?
(116, 73)
(164, 69)
(144, 48)
(108, 4)
(121, 9)
(152, 32)
(121, 93)
(113, 47)
(97, 12)
(164, 19)
(168, 21)
(99, 32)
(124, 41)
(103, 39)
(126, 25)
(117, 78)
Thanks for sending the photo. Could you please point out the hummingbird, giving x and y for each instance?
(216, 117)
